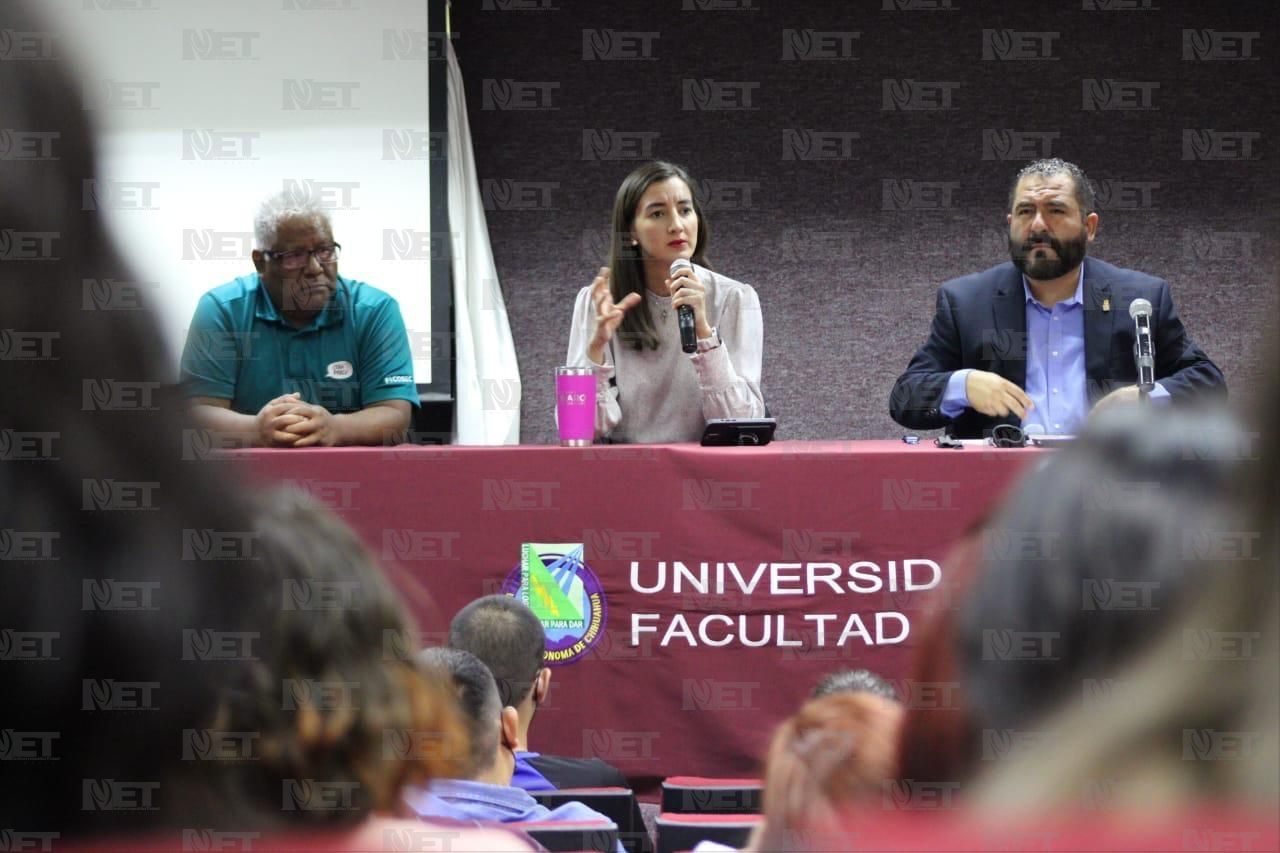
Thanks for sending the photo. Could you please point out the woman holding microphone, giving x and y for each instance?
(626, 324)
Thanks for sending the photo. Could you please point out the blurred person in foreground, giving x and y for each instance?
(1098, 561)
(296, 355)
(333, 698)
(835, 754)
(482, 790)
(1193, 717)
(339, 718)
(936, 750)
(1061, 586)
(117, 614)
(97, 505)
(625, 324)
(1087, 560)
(1044, 338)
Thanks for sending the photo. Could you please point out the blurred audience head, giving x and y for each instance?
(1092, 553)
(509, 639)
(342, 711)
(936, 749)
(1192, 715)
(854, 680)
(836, 752)
(491, 726)
(108, 590)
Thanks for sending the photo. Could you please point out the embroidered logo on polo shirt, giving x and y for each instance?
(397, 379)
(340, 370)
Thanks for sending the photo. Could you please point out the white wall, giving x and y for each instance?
(208, 106)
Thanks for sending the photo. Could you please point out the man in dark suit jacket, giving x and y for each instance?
(1040, 341)
(563, 772)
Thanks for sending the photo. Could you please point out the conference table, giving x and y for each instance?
(692, 595)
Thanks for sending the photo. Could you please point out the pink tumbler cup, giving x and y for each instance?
(576, 405)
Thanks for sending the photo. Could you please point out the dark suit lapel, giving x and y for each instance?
(1100, 311)
(1009, 314)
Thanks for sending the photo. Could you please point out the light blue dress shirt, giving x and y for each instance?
(1056, 377)
(526, 777)
(462, 799)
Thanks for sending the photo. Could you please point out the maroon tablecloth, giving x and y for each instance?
(820, 516)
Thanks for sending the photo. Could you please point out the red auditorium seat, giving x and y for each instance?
(709, 795)
(617, 804)
(571, 835)
(685, 831)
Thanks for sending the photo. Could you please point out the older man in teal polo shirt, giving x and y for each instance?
(297, 355)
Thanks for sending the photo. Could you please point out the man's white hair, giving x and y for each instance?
(281, 206)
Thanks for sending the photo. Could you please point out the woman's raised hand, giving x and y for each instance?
(608, 314)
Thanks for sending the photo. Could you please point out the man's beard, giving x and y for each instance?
(1044, 268)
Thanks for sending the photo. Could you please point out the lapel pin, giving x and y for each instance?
(1106, 305)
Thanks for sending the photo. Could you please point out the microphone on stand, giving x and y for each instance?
(1144, 348)
(684, 314)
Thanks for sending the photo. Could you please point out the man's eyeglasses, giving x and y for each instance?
(299, 258)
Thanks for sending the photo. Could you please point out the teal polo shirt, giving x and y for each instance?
(353, 353)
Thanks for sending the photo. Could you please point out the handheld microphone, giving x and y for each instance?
(1144, 348)
(684, 314)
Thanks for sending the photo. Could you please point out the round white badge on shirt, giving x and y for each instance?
(340, 370)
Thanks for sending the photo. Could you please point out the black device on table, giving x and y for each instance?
(738, 432)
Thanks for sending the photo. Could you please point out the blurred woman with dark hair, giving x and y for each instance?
(1049, 596)
(336, 695)
(105, 585)
(625, 324)
(1091, 556)
(132, 620)
(936, 746)
(1190, 715)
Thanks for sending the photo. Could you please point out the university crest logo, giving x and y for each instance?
(564, 593)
